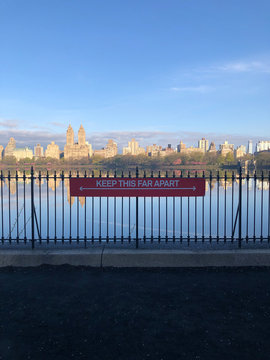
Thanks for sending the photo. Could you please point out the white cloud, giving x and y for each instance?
(10, 124)
(197, 89)
(245, 66)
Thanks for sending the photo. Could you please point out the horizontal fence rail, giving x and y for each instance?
(38, 208)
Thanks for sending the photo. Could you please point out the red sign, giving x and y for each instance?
(132, 187)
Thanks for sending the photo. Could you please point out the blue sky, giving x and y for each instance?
(157, 70)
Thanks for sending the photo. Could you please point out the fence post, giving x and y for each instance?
(32, 208)
(240, 210)
(137, 214)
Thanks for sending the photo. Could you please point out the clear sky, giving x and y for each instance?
(158, 70)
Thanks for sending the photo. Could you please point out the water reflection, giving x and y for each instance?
(55, 179)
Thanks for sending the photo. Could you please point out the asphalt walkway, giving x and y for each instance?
(67, 312)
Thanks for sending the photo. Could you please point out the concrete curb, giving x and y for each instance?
(135, 258)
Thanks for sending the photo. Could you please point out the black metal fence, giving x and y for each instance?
(38, 208)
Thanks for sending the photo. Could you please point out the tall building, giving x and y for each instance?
(81, 136)
(52, 151)
(79, 150)
(133, 148)
(240, 151)
(153, 150)
(263, 146)
(167, 151)
(90, 149)
(203, 144)
(18, 153)
(181, 147)
(212, 147)
(23, 153)
(9, 150)
(109, 151)
(38, 151)
(70, 136)
(226, 148)
(250, 147)
(1, 151)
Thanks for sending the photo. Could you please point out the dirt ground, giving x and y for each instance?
(69, 312)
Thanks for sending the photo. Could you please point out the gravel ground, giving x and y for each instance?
(69, 312)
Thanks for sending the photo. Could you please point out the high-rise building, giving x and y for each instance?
(1, 151)
(9, 150)
(212, 147)
(203, 144)
(38, 151)
(52, 151)
(153, 150)
(133, 148)
(181, 147)
(250, 147)
(81, 136)
(240, 151)
(23, 153)
(226, 148)
(73, 151)
(70, 136)
(263, 145)
(109, 151)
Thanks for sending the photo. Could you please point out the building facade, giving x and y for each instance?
(79, 150)
(250, 147)
(9, 150)
(263, 146)
(203, 144)
(38, 151)
(240, 151)
(1, 152)
(52, 151)
(153, 150)
(226, 148)
(133, 148)
(212, 147)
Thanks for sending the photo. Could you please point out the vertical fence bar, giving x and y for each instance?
(268, 206)
(262, 179)
(137, 214)
(240, 209)
(210, 208)
(9, 210)
(2, 206)
(24, 207)
(78, 215)
(232, 205)
(195, 220)
(203, 213)
(48, 209)
(247, 215)
(225, 206)
(17, 206)
(254, 207)
(70, 206)
(32, 208)
(85, 202)
(55, 237)
(159, 214)
(39, 191)
(218, 206)
(63, 206)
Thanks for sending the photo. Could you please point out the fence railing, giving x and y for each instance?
(38, 208)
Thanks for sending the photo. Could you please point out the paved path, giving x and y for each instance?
(69, 312)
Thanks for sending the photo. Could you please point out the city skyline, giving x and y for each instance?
(77, 147)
